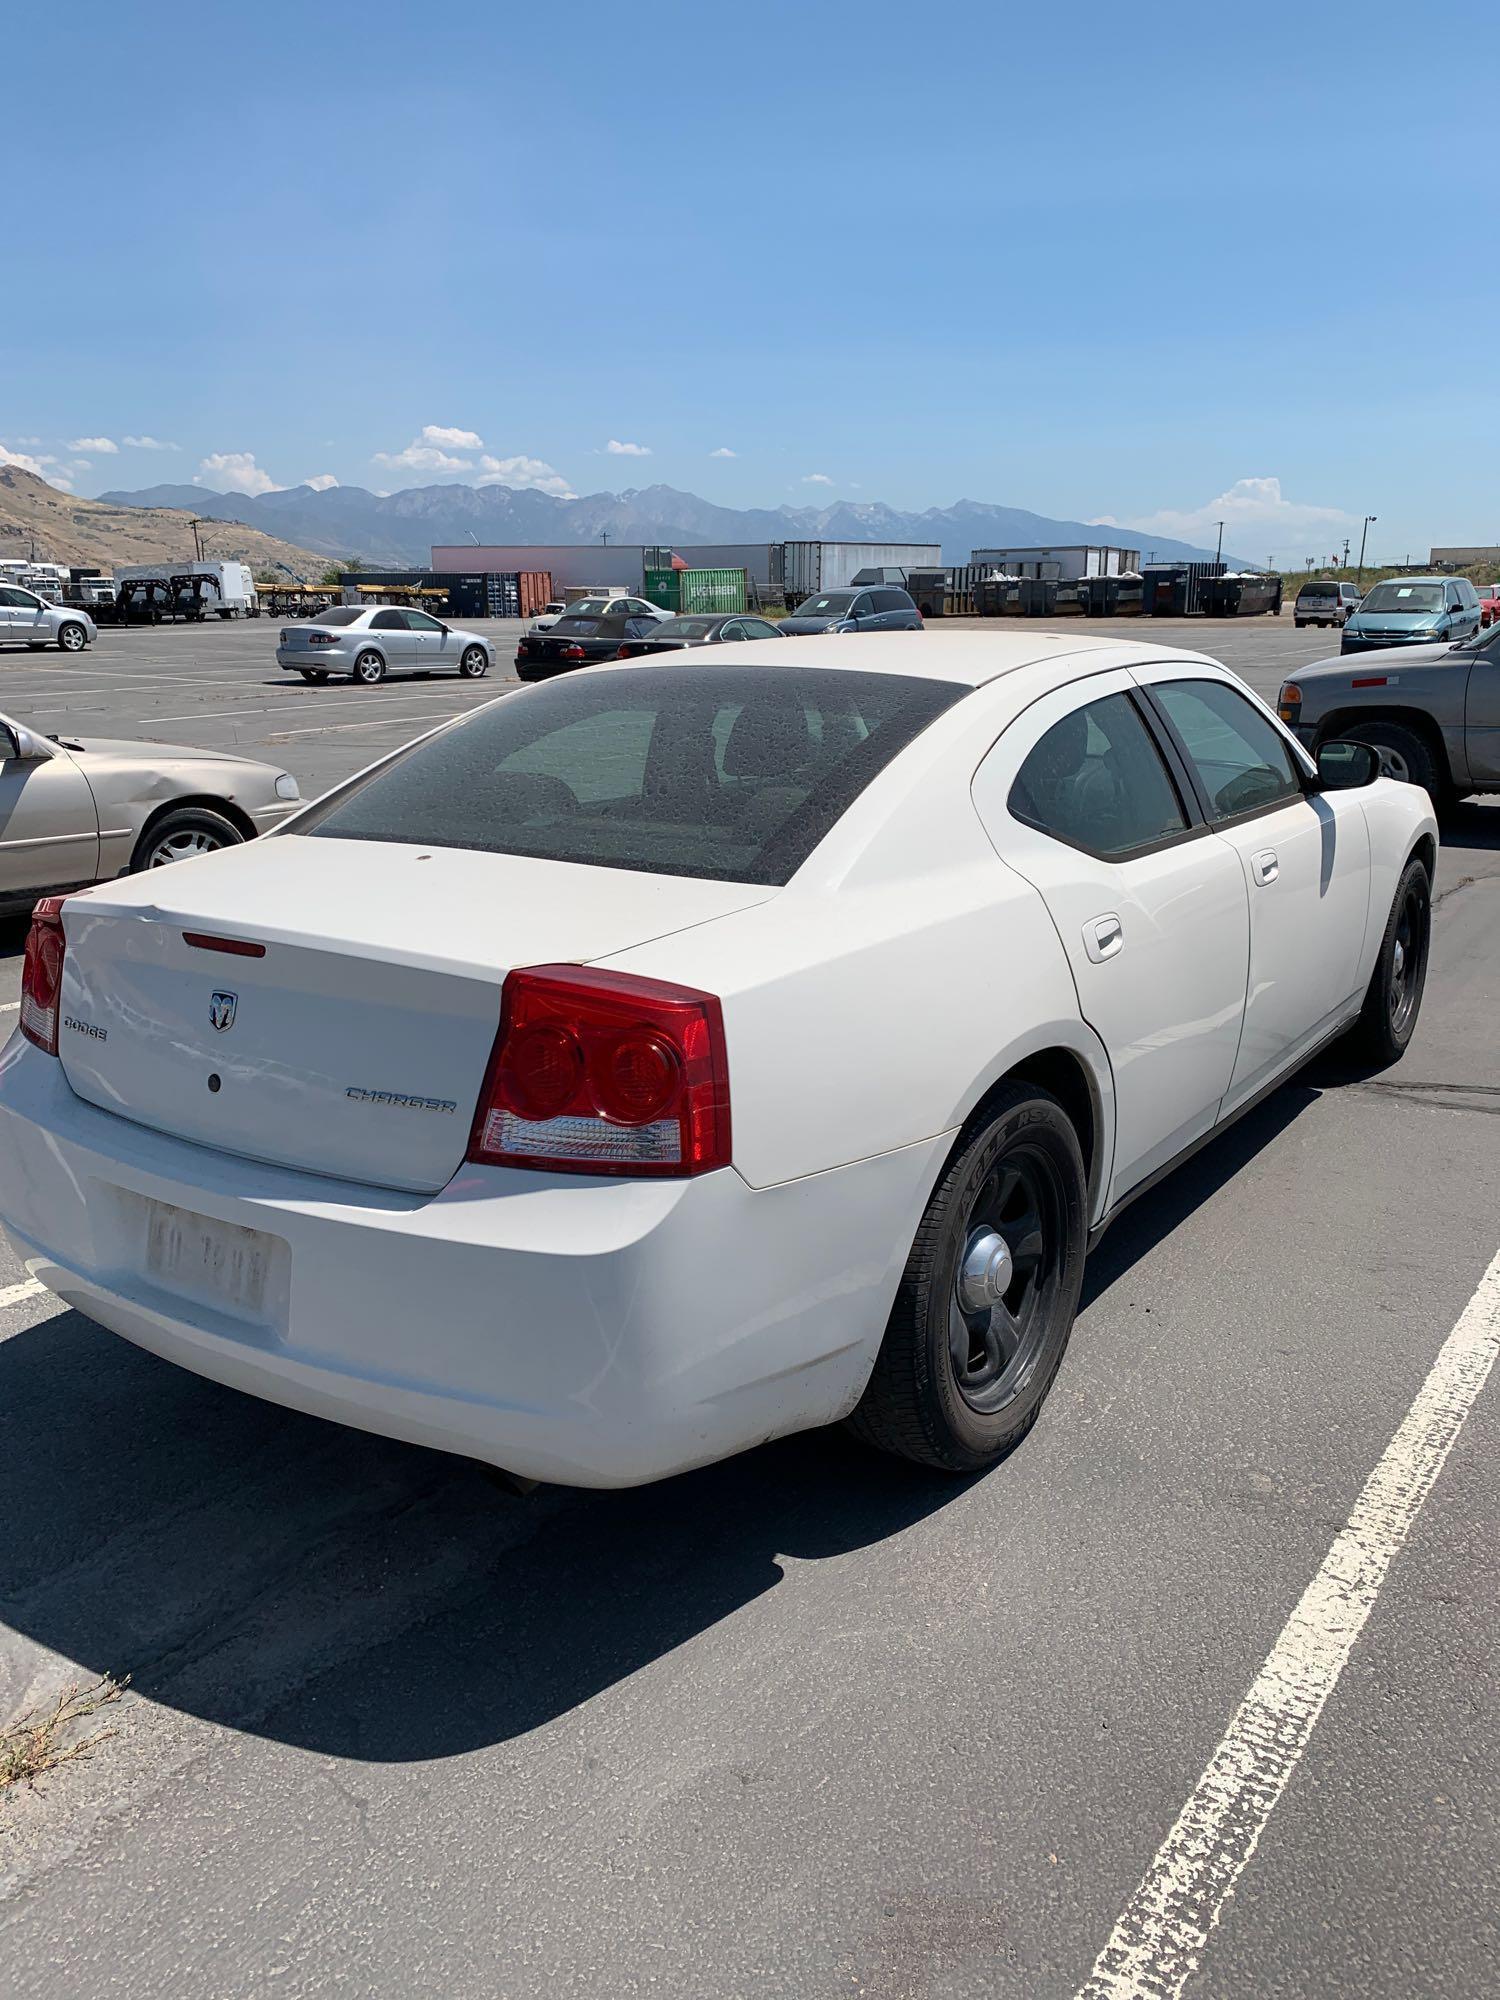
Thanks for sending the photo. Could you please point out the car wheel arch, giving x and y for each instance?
(210, 802)
(1415, 719)
(1071, 1064)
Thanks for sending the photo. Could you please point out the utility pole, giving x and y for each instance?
(1346, 552)
(1359, 580)
(604, 536)
(1219, 551)
(197, 537)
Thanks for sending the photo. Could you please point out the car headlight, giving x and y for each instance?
(286, 786)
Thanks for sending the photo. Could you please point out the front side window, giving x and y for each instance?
(1241, 758)
(727, 773)
(420, 622)
(1096, 780)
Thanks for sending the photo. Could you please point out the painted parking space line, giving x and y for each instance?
(10, 1006)
(1158, 1941)
(15, 1295)
(298, 706)
(333, 728)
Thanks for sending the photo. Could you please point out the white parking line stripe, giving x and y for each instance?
(9, 1006)
(29, 1288)
(331, 728)
(1155, 1947)
(281, 708)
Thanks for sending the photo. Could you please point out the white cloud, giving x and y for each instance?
(521, 471)
(104, 445)
(21, 459)
(81, 465)
(320, 482)
(234, 472)
(1256, 515)
(419, 457)
(151, 444)
(816, 479)
(23, 442)
(723, 452)
(445, 434)
(618, 449)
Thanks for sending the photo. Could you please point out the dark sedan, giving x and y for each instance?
(700, 629)
(579, 641)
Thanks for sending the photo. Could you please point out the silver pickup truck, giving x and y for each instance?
(1431, 712)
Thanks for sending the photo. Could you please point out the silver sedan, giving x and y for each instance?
(77, 812)
(366, 642)
(29, 620)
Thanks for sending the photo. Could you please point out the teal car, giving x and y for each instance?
(1413, 611)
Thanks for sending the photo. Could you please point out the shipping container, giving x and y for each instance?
(809, 566)
(457, 595)
(696, 591)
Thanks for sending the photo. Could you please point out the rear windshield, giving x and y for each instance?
(1316, 592)
(1404, 597)
(342, 614)
(576, 627)
(729, 773)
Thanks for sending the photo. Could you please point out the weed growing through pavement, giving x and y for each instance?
(44, 1737)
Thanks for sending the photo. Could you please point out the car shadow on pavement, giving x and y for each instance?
(360, 1597)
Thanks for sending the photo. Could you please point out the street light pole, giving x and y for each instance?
(1219, 551)
(1359, 580)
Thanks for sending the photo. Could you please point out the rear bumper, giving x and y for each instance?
(598, 1333)
(321, 659)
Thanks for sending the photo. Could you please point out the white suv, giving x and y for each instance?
(28, 620)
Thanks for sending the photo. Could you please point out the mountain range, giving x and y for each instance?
(400, 529)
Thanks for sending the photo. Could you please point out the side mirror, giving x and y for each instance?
(1344, 767)
(28, 749)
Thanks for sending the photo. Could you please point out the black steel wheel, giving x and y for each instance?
(986, 1303)
(1393, 999)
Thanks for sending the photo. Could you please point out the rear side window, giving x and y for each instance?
(388, 621)
(1241, 758)
(1096, 780)
(892, 600)
(729, 773)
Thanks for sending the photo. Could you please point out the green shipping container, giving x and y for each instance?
(701, 591)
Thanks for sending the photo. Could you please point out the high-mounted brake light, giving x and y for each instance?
(604, 1073)
(41, 975)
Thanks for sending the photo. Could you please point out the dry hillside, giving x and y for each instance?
(37, 520)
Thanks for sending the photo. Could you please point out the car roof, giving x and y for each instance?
(970, 658)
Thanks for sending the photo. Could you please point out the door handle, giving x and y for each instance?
(1103, 937)
(1265, 867)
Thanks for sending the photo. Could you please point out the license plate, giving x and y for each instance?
(217, 1263)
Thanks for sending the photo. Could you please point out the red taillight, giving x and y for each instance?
(41, 975)
(604, 1073)
(322, 638)
(572, 652)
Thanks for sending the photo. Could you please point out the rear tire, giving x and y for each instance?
(1299, 623)
(182, 835)
(978, 1332)
(369, 669)
(1393, 1000)
(474, 663)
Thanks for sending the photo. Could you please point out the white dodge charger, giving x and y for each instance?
(665, 1058)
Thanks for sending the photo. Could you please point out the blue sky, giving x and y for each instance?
(1158, 266)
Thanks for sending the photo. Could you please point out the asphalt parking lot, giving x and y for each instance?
(807, 1723)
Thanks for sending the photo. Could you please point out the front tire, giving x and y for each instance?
(474, 663)
(1405, 756)
(182, 836)
(72, 639)
(369, 669)
(1393, 1000)
(986, 1303)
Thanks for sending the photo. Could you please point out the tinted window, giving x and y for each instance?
(10, 595)
(759, 628)
(684, 628)
(892, 600)
(1239, 754)
(722, 772)
(1097, 781)
(341, 614)
(1316, 593)
(576, 626)
(388, 621)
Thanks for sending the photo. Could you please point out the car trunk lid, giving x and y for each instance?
(331, 1005)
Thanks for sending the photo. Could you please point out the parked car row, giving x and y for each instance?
(584, 639)
(1403, 611)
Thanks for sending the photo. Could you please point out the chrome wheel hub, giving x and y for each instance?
(986, 1272)
(182, 847)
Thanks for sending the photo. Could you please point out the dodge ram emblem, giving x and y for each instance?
(221, 1010)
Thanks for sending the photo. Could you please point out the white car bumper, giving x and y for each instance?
(592, 1332)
